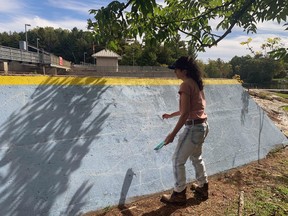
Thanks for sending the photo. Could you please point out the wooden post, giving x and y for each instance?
(241, 203)
(44, 70)
(6, 68)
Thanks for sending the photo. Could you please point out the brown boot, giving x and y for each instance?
(176, 198)
(200, 192)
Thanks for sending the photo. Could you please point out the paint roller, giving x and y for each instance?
(159, 146)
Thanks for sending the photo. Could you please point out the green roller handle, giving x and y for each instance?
(160, 145)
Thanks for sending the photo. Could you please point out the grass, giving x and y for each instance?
(285, 108)
(263, 95)
(280, 79)
(268, 201)
(283, 95)
(269, 95)
(267, 198)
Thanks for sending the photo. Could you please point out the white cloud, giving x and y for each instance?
(64, 23)
(225, 50)
(77, 6)
(14, 25)
(18, 23)
(15, 13)
(161, 2)
(230, 47)
(272, 27)
(10, 5)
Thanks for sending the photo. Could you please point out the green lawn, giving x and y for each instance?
(283, 95)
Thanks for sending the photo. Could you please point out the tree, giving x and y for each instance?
(237, 64)
(149, 56)
(270, 48)
(217, 69)
(71, 45)
(178, 46)
(131, 53)
(260, 70)
(255, 70)
(11, 39)
(154, 22)
(202, 65)
(165, 55)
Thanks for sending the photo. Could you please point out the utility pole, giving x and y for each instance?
(26, 36)
(84, 57)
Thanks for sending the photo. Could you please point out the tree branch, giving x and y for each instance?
(125, 6)
(234, 19)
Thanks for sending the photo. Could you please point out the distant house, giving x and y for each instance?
(106, 60)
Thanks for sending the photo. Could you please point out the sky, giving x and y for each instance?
(67, 14)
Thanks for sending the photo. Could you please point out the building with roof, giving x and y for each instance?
(106, 60)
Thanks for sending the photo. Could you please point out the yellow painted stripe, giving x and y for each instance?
(220, 81)
(48, 80)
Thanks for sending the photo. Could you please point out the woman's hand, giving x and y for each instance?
(166, 116)
(169, 138)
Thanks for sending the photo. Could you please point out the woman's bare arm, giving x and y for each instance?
(166, 115)
(184, 114)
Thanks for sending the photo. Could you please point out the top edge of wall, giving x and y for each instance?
(54, 80)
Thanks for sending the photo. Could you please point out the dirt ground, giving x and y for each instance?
(224, 188)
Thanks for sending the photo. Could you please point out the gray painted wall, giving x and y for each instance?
(65, 150)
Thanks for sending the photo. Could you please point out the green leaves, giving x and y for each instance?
(215, 3)
(156, 23)
(286, 24)
(280, 53)
(110, 25)
(144, 7)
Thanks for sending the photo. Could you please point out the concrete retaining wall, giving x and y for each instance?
(72, 145)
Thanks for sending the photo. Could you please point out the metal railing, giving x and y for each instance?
(122, 71)
(13, 54)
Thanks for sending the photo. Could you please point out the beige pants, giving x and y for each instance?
(190, 145)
